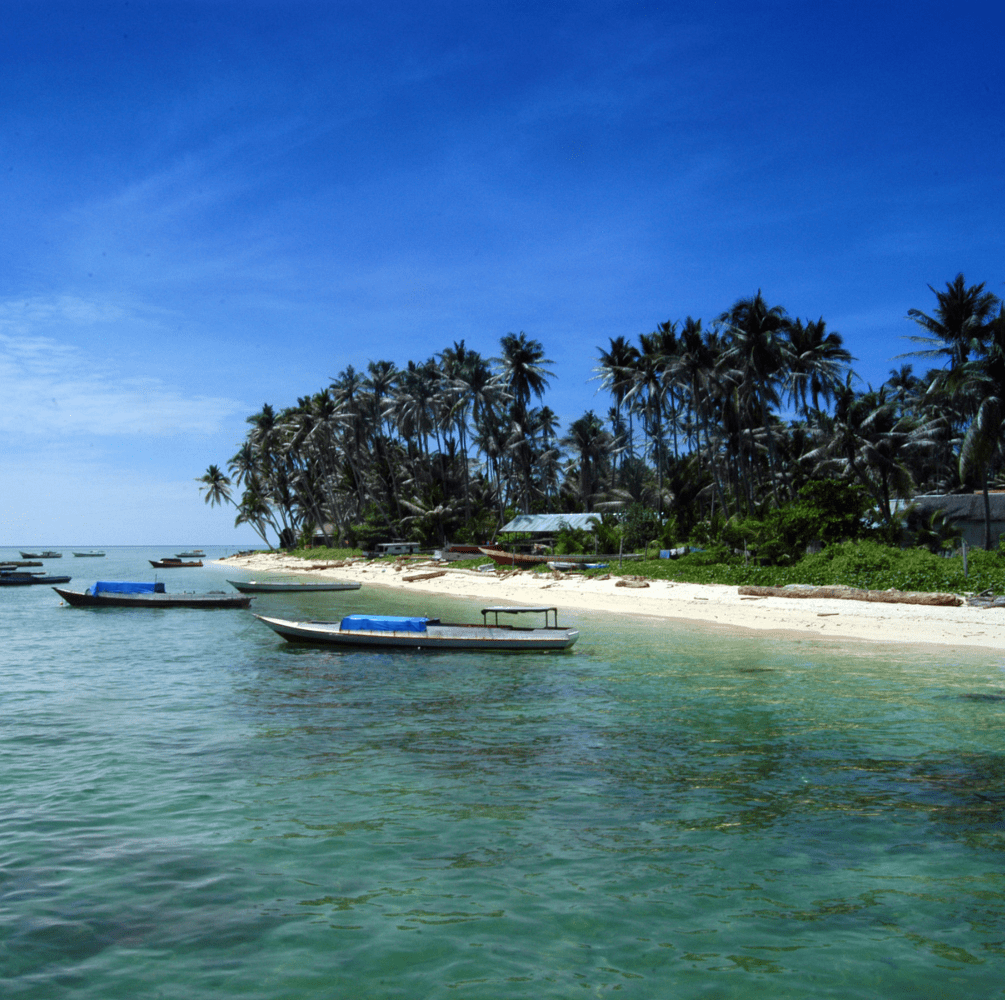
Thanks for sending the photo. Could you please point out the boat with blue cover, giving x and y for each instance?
(127, 594)
(382, 631)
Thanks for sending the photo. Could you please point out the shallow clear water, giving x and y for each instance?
(193, 808)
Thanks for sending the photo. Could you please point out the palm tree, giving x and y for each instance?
(760, 350)
(522, 362)
(817, 362)
(647, 396)
(984, 379)
(593, 445)
(216, 486)
(959, 326)
(615, 372)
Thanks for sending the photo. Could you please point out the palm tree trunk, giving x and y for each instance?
(987, 511)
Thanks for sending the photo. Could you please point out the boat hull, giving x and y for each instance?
(264, 587)
(83, 599)
(89, 555)
(171, 563)
(502, 639)
(19, 579)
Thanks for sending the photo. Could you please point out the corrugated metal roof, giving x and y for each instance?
(549, 523)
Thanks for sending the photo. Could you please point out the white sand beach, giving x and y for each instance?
(717, 605)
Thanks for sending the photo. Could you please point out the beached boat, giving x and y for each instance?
(17, 579)
(522, 559)
(89, 555)
(377, 631)
(48, 554)
(122, 594)
(279, 587)
(569, 567)
(170, 563)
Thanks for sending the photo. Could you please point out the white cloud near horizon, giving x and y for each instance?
(51, 387)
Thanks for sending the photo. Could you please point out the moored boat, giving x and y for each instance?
(170, 563)
(288, 587)
(88, 555)
(16, 579)
(123, 594)
(47, 554)
(194, 554)
(376, 631)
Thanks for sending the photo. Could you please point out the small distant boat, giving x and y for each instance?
(88, 555)
(376, 631)
(122, 594)
(169, 563)
(48, 554)
(194, 554)
(278, 587)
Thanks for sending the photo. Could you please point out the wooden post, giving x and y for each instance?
(964, 558)
(621, 549)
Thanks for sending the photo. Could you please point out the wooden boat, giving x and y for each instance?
(521, 559)
(280, 587)
(194, 554)
(524, 560)
(88, 555)
(48, 554)
(382, 631)
(119, 594)
(573, 567)
(19, 564)
(170, 563)
(15, 579)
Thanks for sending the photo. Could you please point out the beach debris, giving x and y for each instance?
(986, 599)
(845, 593)
(632, 581)
(424, 576)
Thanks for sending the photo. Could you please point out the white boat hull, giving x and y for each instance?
(481, 637)
(267, 587)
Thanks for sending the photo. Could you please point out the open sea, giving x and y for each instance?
(192, 808)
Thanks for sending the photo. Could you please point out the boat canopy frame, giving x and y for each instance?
(510, 609)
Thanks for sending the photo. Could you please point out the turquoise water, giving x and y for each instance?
(194, 809)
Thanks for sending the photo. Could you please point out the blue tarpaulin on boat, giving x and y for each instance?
(382, 623)
(121, 587)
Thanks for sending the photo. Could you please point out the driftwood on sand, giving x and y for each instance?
(840, 593)
(424, 576)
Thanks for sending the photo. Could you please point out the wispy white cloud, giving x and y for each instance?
(52, 387)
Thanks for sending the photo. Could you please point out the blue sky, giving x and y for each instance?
(208, 206)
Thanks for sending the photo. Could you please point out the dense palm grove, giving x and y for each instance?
(709, 425)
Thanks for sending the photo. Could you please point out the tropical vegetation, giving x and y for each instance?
(749, 432)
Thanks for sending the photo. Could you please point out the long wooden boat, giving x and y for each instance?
(280, 587)
(170, 563)
(15, 579)
(89, 555)
(524, 559)
(382, 631)
(48, 554)
(147, 595)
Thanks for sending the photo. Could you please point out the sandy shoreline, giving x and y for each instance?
(712, 604)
